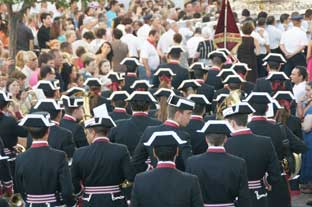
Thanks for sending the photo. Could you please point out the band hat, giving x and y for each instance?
(37, 119)
(164, 71)
(241, 108)
(217, 127)
(118, 95)
(72, 102)
(141, 96)
(181, 102)
(164, 138)
(199, 66)
(164, 92)
(199, 99)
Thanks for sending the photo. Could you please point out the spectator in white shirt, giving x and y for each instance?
(133, 42)
(262, 36)
(284, 22)
(166, 39)
(31, 64)
(84, 42)
(100, 38)
(143, 31)
(149, 54)
(192, 44)
(298, 78)
(293, 42)
(274, 35)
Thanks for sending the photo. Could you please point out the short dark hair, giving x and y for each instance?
(217, 60)
(198, 30)
(100, 130)
(44, 15)
(165, 153)
(117, 34)
(284, 17)
(80, 51)
(206, 18)
(262, 14)
(174, 56)
(302, 72)
(261, 21)
(140, 105)
(88, 35)
(260, 109)
(3, 104)
(120, 104)
(199, 109)
(245, 13)
(216, 139)
(44, 71)
(44, 58)
(153, 32)
(308, 13)
(240, 119)
(100, 32)
(112, 3)
(196, 15)
(64, 45)
(177, 38)
(37, 132)
(70, 110)
(199, 74)
(270, 20)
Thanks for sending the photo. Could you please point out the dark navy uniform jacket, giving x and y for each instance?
(77, 130)
(198, 140)
(42, 170)
(101, 164)
(142, 153)
(226, 174)
(129, 132)
(59, 138)
(166, 186)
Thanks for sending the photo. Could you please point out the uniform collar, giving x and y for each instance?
(166, 164)
(56, 123)
(139, 113)
(120, 110)
(216, 149)
(134, 75)
(200, 81)
(39, 144)
(100, 139)
(258, 118)
(69, 118)
(245, 131)
(175, 62)
(171, 123)
(197, 117)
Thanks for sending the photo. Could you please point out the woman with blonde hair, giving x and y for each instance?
(19, 60)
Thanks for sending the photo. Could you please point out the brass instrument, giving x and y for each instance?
(292, 165)
(15, 200)
(86, 107)
(19, 148)
(233, 99)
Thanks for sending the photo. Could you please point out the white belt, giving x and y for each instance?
(256, 184)
(41, 199)
(220, 205)
(102, 189)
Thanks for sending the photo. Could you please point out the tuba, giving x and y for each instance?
(86, 107)
(233, 99)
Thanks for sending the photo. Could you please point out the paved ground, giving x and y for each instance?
(300, 201)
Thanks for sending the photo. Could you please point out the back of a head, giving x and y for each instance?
(100, 33)
(302, 72)
(165, 153)
(117, 34)
(284, 17)
(44, 71)
(88, 35)
(260, 109)
(197, 30)
(270, 20)
(139, 105)
(177, 38)
(262, 14)
(261, 21)
(245, 13)
(308, 13)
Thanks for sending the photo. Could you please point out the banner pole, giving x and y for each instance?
(225, 22)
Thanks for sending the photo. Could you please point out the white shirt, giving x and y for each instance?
(293, 39)
(148, 51)
(27, 72)
(133, 43)
(192, 45)
(79, 43)
(274, 36)
(166, 41)
(263, 41)
(299, 90)
(95, 45)
(143, 31)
